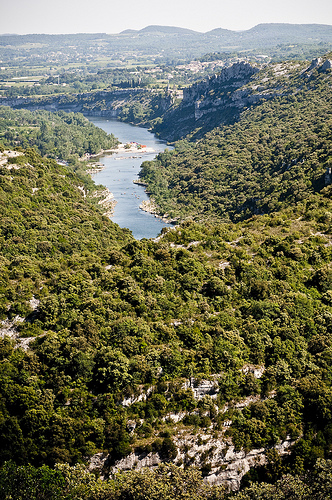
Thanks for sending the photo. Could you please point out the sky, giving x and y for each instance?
(110, 16)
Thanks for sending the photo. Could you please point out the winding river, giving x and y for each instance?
(121, 169)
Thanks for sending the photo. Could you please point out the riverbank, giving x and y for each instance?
(107, 201)
(122, 167)
(94, 168)
(129, 147)
(152, 208)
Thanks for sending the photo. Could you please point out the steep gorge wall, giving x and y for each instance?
(211, 102)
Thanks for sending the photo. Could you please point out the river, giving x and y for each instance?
(121, 169)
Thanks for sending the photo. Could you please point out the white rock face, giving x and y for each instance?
(8, 327)
(203, 387)
(97, 462)
(136, 399)
(319, 65)
(328, 176)
(34, 303)
(175, 417)
(315, 63)
(257, 371)
(200, 389)
(237, 72)
(136, 461)
(228, 466)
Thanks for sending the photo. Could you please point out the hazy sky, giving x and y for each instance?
(113, 16)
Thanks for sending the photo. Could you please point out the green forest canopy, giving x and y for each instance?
(275, 155)
(66, 136)
(116, 315)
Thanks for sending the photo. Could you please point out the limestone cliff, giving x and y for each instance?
(221, 98)
(210, 450)
(211, 102)
(226, 466)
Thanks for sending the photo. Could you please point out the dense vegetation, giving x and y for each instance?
(167, 482)
(275, 155)
(66, 136)
(100, 333)
(115, 313)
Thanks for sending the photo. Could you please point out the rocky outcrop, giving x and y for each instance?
(234, 76)
(137, 398)
(106, 200)
(256, 371)
(210, 450)
(9, 327)
(319, 64)
(326, 65)
(216, 100)
(224, 465)
(235, 464)
(200, 388)
(328, 176)
(203, 387)
(315, 63)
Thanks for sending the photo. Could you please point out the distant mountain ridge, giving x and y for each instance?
(154, 28)
(263, 30)
(165, 42)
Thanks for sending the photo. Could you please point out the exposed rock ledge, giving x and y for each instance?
(228, 466)
(150, 207)
(106, 201)
(8, 328)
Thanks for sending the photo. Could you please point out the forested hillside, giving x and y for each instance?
(275, 154)
(205, 353)
(66, 136)
(101, 317)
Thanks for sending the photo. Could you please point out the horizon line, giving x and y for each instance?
(134, 30)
